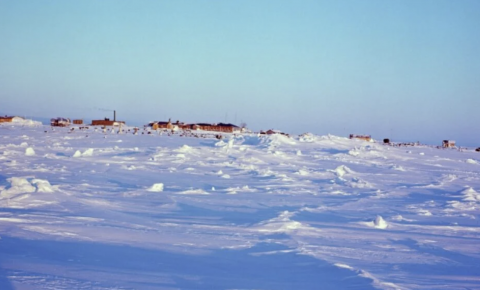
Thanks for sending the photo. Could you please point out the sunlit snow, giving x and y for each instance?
(88, 209)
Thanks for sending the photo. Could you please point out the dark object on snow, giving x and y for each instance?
(478, 149)
(386, 141)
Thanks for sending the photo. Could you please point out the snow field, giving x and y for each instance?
(332, 211)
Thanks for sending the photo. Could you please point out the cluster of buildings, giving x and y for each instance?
(216, 127)
(445, 143)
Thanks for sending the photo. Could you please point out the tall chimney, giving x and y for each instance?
(114, 116)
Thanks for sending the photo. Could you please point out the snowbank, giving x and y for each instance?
(23, 185)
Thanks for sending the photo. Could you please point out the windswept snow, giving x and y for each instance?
(165, 211)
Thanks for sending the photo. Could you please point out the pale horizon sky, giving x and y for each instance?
(405, 70)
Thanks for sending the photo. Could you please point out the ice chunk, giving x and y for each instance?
(342, 170)
(42, 185)
(157, 187)
(29, 151)
(380, 223)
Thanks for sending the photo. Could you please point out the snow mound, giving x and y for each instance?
(342, 170)
(306, 138)
(302, 172)
(343, 266)
(157, 187)
(18, 185)
(397, 167)
(43, 185)
(354, 152)
(230, 143)
(22, 185)
(470, 194)
(270, 141)
(356, 182)
(184, 149)
(235, 190)
(88, 152)
(194, 191)
(280, 224)
(29, 151)
(378, 223)
(278, 139)
(18, 121)
(471, 161)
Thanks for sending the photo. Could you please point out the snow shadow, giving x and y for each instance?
(265, 266)
(236, 215)
(3, 180)
(4, 282)
(455, 265)
(333, 151)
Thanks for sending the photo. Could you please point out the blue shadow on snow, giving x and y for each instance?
(126, 266)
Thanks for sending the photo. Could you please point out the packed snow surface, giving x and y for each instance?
(95, 209)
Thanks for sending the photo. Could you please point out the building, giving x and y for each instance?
(230, 128)
(108, 122)
(161, 125)
(169, 125)
(59, 122)
(78, 122)
(6, 119)
(448, 144)
(220, 127)
(361, 137)
(10, 119)
(272, 132)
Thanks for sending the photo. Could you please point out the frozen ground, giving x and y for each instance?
(95, 210)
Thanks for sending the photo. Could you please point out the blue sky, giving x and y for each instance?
(407, 70)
